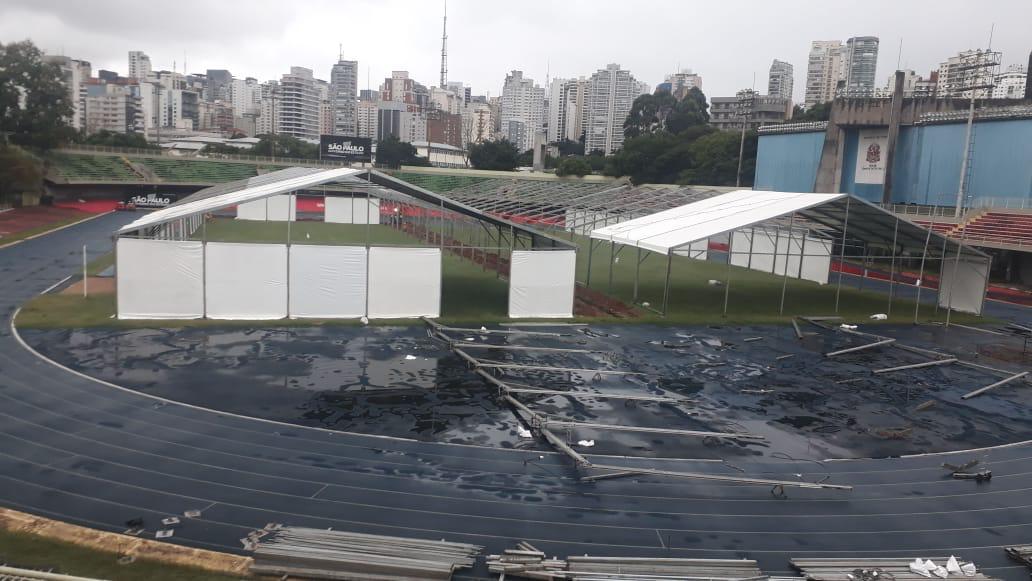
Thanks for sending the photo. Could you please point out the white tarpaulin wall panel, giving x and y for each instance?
(541, 283)
(404, 282)
(255, 210)
(769, 250)
(245, 281)
(348, 210)
(327, 282)
(282, 208)
(967, 287)
(160, 279)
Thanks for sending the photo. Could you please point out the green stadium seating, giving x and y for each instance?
(92, 167)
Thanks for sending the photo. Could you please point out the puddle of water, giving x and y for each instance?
(394, 381)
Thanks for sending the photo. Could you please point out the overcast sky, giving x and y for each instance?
(726, 42)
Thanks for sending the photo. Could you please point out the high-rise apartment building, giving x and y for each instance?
(780, 82)
(859, 65)
(477, 124)
(366, 117)
(823, 71)
(610, 93)
(399, 88)
(266, 122)
(139, 65)
(566, 109)
(73, 74)
(343, 96)
(522, 110)
(750, 109)
(297, 111)
(218, 85)
(678, 84)
(245, 96)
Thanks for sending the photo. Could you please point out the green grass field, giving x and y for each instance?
(31, 551)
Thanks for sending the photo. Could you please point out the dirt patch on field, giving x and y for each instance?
(95, 285)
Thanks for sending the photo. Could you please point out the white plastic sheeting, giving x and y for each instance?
(967, 288)
(245, 281)
(327, 282)
(352, 210)
(404, 282)
(680, 226)
(541, 283)
(273, 208)
(160, 279)
(772, 250)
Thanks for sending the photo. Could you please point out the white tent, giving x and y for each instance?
(840, 218)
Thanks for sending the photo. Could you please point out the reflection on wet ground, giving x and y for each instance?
(394, 381)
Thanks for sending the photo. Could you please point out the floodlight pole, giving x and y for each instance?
(892, 266)
(964, 157)
(842, 255)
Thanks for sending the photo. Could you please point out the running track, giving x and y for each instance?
(81, 451)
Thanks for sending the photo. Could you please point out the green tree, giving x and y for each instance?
(284, 146)
(691, 111)
(34, 102)
(818, 112)
(649, 114)
(658, 158)
(573, 166)
(221, 149)
(394, 153)
(495, 155)
(112, 139)
(20, 173)
(568, 147)
(715, 160)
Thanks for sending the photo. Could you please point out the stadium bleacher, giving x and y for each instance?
(92, 167)
(1010, 227)
(183, 170)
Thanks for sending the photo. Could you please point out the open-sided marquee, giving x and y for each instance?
(167, 268)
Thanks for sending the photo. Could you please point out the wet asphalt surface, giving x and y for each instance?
(78, 450)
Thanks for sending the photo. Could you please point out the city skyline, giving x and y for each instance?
(269, 41)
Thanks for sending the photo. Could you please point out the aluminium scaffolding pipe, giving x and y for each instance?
(860, 347)
(725, 478)
(917, 365)
(1005, 381)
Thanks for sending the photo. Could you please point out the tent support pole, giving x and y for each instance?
(942, 270)
(892, 266)
(953, 284)
(291, 204)
(727, 283)
(637, 270)
(788, 253)
(842, 257)
(591, 250)
(666, 284)
(920, 276)
(204, 267)
(612, 262)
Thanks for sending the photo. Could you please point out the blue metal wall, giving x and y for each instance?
(788, 163)
(927, 165)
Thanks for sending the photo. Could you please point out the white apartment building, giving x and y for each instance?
(859, 64)
(477, 123)
(522, 110)
(780, 81)
(566, 109)
(73, 74)
(1010, 84)
(367, 118)
(139, 65)
(245, 95)
(823, 71)
(344, 96)
(110, 108)
(610, 93)
(681, 82)
(448, 100)
(297, 112)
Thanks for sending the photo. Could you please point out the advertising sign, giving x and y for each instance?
(151, 200)
(341, 147)
(872, 147)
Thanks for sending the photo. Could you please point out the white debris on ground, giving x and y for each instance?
(411, 358)
(847, 327)
(928, 568)
(365, 320)
(586, 443)
(878, 317)
(713, 282)
(523, 432)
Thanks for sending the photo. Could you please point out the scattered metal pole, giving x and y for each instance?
(917, 365)
(860, 347)
(994, 385)
(842, 256)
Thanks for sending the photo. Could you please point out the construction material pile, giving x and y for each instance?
(860, 569)
(527, 562)
(327, 554)
(1022, 553)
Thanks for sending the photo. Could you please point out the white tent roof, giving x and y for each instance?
(678, 227)
(256, 192)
